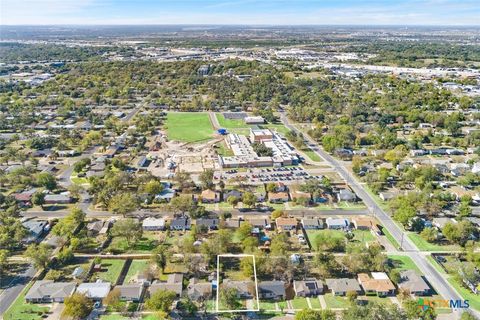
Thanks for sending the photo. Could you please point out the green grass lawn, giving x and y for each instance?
(136, 268)
(423, 245)
(466, 294)
(79, 180)
(112, 268)
(230, 123)
(189, 126)
(20, 310)
(311, 154)
(223, 150)
(377, 299)
(267, 305)
(300, 303)
(336, 302)
(389, 237)
(404, 263)
(113, 317)
(280, 128)
(363, 236)
(315, 303)
(313, 234)
(145, 245)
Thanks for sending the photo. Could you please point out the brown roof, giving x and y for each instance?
(363, 222)
(286, 222)
(379, 285)
(209, 194)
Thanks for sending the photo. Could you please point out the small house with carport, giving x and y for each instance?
(312, 223)
(308, 287)
(340, 287)
(131, 292)
(274, 290)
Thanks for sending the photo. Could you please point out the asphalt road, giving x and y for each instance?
(15, 288)
(431, 274)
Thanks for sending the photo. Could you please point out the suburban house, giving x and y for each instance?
(209, 223)
(165, 195)
(198, 291)
(174, 283)
(131, 292)
(260, 223)
(94, 290)
(271, 290)
(245, 289)
(337, 223)
(35, 228)
(363, 223)
(47, 291)
(210, 196)
(286, 224)
(340, 287)
(312, 223)
(308, 287)
(346, 195)
(95, 228)
(232, 223)
(378, 284)
(182, 224)
(232, 193)
(57, 199)
(414, 283)
(278, 197)
(153, 224)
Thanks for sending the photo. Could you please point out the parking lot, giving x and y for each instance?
(259, 176)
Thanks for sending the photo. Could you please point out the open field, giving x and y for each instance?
(189, 126)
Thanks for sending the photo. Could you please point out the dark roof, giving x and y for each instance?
(276, 287)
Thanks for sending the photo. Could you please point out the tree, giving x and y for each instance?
(277, 213)
(160, 257)
(67, 226)
(229, 297)
(373, 311)
(460, 232)
(206, 179)
(188, 306)
(160, 301)
(464, 209)
(123, 203)
(46, 180)
(309, 314)
(429, 234)
(413, 312)
(183, 203)
(352, 296)
(249, 199)
(77, 306)
(153, 187)
(40, 255)
(466, 315)
(38, 199)
(113, 299)
(3, 261)
(250, 244)
(233, 201)
(130, 229)
(279, 244)
(244, 231)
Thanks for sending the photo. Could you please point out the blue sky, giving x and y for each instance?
(366, 12)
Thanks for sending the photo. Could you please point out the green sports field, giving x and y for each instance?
(189, 126)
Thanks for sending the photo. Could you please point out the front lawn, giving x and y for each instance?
(20, 310)
(188, 126)
(267, 305)
(423, 245)
(300, 303)
(404, 263)
(111, 269)
(313, 234)
(334, 302)
(363, 236)
(315, 303)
